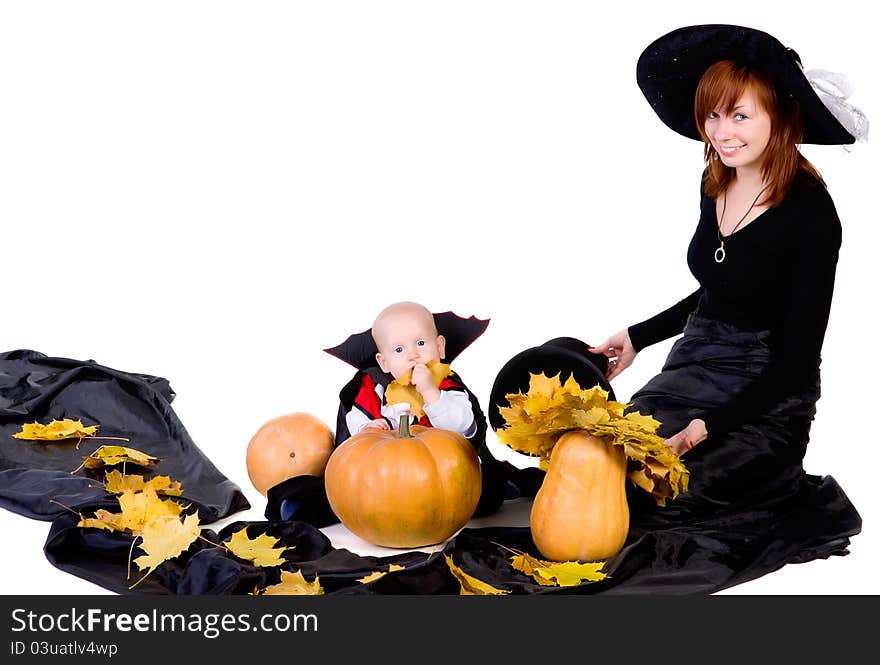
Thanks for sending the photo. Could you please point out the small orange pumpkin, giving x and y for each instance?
(297, 444)
(407, 488)
(581, 513)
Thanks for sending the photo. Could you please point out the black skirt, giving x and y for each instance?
(756, 464)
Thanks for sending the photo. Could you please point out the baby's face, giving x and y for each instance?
(405, 339)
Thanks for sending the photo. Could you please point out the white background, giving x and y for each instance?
(214, 192)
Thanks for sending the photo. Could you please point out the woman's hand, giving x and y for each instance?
(619, 350)
(688, 437)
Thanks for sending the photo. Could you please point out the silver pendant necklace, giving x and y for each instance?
(720, 253)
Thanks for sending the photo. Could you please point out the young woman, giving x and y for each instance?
(737, 393)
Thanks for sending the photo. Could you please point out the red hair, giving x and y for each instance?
(719, 89)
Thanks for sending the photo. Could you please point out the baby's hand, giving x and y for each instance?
(423, 380)
(379, 423)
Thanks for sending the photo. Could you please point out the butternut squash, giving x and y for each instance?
(581, 513)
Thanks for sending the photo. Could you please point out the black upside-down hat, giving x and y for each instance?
(566, 356)
(669, 70)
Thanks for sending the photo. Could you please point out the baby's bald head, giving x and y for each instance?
(399, 311)
(406, 334)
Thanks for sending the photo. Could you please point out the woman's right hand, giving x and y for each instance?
(619, 350)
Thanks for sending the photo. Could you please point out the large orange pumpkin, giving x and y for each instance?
(407, 488)
(581, 513)
(297, 444)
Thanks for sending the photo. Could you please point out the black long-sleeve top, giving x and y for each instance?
(778, 275)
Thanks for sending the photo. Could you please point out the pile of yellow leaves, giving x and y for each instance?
(160, 528)
(156, 522)
(402, 390)
(164, 531)
(536, 419)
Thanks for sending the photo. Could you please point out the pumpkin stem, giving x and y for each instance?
(404, 427)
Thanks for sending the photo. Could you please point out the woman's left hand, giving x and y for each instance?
(688, 437)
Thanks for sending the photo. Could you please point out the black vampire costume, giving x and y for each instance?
(35, 476)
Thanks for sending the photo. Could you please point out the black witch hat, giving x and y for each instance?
(669, 70)
(566, 356)
(360, 350)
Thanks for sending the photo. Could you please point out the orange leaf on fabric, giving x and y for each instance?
(402, 390)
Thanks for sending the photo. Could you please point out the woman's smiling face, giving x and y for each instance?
(739, 134)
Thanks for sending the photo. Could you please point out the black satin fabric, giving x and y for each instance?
(36, 387)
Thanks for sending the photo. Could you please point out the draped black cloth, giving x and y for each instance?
(37, 388)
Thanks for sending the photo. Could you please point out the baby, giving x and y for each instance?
(407, 341)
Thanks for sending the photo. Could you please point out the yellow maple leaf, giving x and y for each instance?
(554, 573)
(571, 573)
(402, 390)
(110, 455)
(55, 430)
(470, 585)
(164, 539)
(61, 430)
(261, 550)
(143, 508)
(104, 519)
(293, 584)
(118, 483)
(528, 564)
(137, 511)
(537, 418)
(380, 573)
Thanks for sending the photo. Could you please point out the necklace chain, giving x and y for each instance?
(721, 253)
